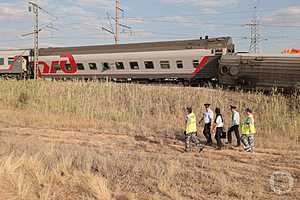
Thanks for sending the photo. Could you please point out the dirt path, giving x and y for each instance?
(168, 146)
(263, 161)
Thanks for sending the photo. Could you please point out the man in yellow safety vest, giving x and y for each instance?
(248, 131)
(191, 130)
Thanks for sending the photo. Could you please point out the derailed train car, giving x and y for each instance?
(259, 71)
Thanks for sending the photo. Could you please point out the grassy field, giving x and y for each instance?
(76, 140)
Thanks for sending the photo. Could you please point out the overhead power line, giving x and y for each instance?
(233, 12)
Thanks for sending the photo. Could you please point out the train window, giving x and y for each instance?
(57, 67)
(195, 63)
(80, 66)
(165, 64)
(219, 51)
(1, 61)
(68, 67)
(10, 61)
(224, 70)
(120, 65)
(93, 66)
(106, 66)
(134, 65)
(149, 65)
(179, 64)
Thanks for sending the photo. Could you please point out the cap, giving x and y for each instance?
(248, 110)
(189, 108)
(232, 107)
(207, 104)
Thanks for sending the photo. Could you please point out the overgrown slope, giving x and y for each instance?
(74, 140)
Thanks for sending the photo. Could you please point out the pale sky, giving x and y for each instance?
(78, 22)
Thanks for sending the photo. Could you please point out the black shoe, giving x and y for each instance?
(208, 143)
(238, 145)
(219, 148)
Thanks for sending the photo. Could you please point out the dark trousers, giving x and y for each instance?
(206, 133)
(218, 135)
(236, 131)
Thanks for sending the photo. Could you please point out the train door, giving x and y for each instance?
(25, 66)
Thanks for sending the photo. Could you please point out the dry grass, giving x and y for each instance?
(144, 109)
(76, 140)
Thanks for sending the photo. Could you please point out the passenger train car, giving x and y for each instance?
(150, 66)
(175, 61)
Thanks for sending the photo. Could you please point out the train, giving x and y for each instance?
(260, 71)
(203, 61)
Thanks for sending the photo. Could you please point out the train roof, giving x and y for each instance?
(13, 52)
(210, 43)
(254, 55)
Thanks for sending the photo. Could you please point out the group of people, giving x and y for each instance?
(216, 125)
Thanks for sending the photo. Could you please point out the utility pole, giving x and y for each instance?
(35, 9)
(255, 31)
(118, 24)
(117, 31)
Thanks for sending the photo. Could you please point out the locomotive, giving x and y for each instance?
(190, 62)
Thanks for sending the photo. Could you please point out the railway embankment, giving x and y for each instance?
(88, 140)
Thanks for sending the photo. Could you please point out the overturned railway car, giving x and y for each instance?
(259, 71)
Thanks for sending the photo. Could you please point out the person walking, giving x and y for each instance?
(191, 130)
(235, 123)
(218, 127)
(248, 131)
(208, 116)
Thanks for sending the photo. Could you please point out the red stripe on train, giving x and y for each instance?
(203, 62)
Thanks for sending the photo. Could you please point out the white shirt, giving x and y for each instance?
(235, 118)
(208, 116)
(219, 122)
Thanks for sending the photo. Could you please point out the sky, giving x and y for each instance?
(80, 22)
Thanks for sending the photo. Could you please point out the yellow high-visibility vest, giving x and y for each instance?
(191, 126)
(248, 126)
